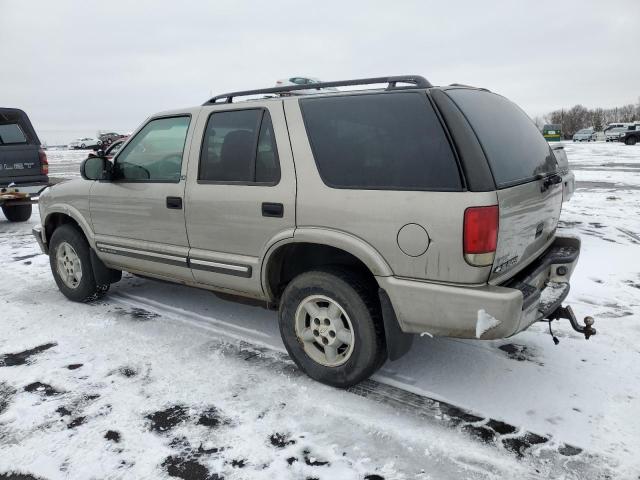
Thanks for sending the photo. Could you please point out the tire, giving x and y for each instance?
(83, 146)
(358, 315)
(17, 213)
(631, 141)
(67, 245)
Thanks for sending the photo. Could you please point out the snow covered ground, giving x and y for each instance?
(159, 380)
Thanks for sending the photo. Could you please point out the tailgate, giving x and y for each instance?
(527, 224)
(18, 162)
(521, 161)
(19, 145)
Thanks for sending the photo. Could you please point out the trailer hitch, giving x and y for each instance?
(567, 312)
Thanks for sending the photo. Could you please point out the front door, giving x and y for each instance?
(240, 193)
(138, 216)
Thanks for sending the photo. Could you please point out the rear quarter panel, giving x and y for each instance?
(376, 216)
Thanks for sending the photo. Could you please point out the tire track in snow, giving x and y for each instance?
(253, 346)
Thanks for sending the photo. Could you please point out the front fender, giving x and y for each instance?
(75, 214)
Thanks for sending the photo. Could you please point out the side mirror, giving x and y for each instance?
(100, 153)
(96, 168)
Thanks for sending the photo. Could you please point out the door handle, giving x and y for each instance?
(272, 210)
(175, 203)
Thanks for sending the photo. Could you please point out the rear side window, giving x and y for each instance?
(516, 150)
(388, 141)
(239, 147)
(12, 133)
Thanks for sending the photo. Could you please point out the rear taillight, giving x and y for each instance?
(480, 235)
(44, 162)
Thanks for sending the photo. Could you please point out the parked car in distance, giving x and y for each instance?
(614, 125)
(585, 135)
(303, 81)
(111, 150)
(107, 139)
(85, 142)
(364, 217)
(631, 135)
(24, 169)
(613, 134)
(552, 132)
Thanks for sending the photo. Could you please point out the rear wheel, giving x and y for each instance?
(17, 213)
(631, 141)
(70, 260)
(331, 325)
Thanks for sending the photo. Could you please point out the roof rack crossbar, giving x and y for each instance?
(416, 80)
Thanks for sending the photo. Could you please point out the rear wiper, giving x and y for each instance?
(552, 179)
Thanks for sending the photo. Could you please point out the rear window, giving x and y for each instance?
(516, 151)
(12, 133)
(380, 141)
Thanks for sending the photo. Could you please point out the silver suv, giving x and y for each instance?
(363, 216)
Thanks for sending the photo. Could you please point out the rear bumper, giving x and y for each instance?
(455, 311)
(24, 181)
(31, 188)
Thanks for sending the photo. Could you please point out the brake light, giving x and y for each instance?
(480, 236)
(44, 162)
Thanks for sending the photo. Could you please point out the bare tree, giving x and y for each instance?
(578, 117)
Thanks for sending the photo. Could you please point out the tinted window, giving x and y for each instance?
(514, 147)
(239, 146)
(155, 153)
(12, 133)
(380, 141)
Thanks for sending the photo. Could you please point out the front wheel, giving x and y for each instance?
(70, 260)
(17, 213)
(631, 141)
(331, 325)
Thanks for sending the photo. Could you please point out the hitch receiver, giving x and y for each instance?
(567, 312)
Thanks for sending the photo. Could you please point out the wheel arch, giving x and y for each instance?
(61, 216)
(317, 247)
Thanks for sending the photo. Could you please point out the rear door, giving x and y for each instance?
(19, 145)
(241, 192)
(520, 160)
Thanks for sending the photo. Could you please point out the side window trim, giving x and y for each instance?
(264, 110)
(133, 137)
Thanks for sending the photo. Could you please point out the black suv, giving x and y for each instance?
(631, 136)
(24, 168)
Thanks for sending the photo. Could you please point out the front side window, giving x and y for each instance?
(239, 147)
(155, 153)
(390, 141)
(113, 149)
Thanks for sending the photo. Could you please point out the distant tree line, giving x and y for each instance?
(579, 117)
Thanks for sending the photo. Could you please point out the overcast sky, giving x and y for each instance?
(76, 67)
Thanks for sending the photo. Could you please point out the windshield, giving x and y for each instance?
(516, 150)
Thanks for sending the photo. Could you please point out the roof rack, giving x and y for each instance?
(416, 80)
